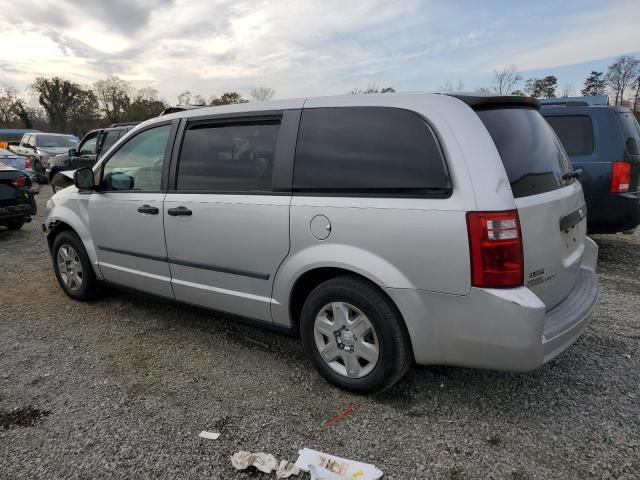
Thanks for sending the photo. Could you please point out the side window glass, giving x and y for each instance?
(367, 150)
(109, 138)
(232, 158)
(88, 147)
(137, 165)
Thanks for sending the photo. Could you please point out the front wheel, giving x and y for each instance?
(354, 335)
(72, 267)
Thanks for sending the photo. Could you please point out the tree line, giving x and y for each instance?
(68, 107)
(65, 106)
(621, 82)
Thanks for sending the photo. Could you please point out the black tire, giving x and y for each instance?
(89, 286)
(16, 223)
(395, 356)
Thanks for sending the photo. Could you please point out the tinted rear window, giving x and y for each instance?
(531, 153)
(631, 131)
(368, 150)
(575, 133)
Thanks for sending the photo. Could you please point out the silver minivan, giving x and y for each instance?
(382, 229)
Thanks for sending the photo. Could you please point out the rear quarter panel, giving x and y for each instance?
(401, 243)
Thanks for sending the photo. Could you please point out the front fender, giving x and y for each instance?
(74, 211)
(354, 259)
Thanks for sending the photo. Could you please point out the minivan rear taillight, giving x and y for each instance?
(495, 246)
(27, 163)
(620, 177)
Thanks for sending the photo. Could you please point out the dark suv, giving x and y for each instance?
(88, 151)
(604, 142)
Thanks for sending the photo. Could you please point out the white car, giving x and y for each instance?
(382, 229)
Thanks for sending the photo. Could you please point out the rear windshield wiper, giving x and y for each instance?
(572, 174)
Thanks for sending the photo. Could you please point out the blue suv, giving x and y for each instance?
(604, 142)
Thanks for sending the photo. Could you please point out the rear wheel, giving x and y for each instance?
(72, 267)
(16, 223)
(354, 335)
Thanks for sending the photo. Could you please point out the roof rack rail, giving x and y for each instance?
(586, 101)
(123, 124)
(570, 103)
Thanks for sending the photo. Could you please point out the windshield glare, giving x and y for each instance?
(55, 141)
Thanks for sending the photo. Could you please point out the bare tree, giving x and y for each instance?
(8, 97)
(505, 80)
(114, 96)
(198, 100)
(184, 98)
(636, 87)
(262, 94)
(484, 90)
(567, 90)
(621, 74)
(447, 87)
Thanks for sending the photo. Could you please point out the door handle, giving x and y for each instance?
(179, 212)
(148, 209)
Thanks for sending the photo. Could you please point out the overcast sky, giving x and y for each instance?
(309, 47)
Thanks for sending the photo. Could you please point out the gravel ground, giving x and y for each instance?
(121, 387)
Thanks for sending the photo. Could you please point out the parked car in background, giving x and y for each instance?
(17, 161)
(41, 147)
(12, 136)
(604, 143)
(17, 202)
(92, 145)
(385, 229)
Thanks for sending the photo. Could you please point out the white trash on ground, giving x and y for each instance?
(209, 435)
(287, 469)
(264, 462)
(323, 466)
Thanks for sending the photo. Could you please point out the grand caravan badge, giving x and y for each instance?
(537, 277)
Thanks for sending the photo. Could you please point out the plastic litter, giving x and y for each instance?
(287, 469)
(323, 466)
(264, 462)
(338, 417)
(209, 435)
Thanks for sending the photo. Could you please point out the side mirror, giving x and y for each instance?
(72, 152)
(83, 179)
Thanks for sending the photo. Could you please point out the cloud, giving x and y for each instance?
(301, 47)
(585, 36)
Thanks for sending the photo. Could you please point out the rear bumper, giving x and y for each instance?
(611, 212)
(566, 322)
(497, 329)
(15, 211)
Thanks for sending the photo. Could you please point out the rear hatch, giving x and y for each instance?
(551, 209)
(631, 131)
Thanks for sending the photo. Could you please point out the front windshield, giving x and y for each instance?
(68, 141)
